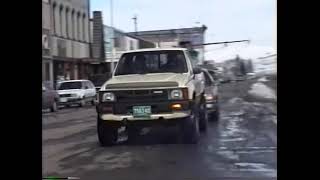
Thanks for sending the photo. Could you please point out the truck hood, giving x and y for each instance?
(147, 81)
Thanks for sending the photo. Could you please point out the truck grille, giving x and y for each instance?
(141, 95)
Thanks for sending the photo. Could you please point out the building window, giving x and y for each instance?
(73, 34)
(131, 45)
(47, 71)
(78, 26)
(84, 27)
(61, 20)
(54, 6)
(117, 39)
(67, 22)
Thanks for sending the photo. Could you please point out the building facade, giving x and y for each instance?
(47, 64)
(110, 43)
(174, 37)
(122, 42)
(70, 38)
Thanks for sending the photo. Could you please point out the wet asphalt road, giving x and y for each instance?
(242, 145)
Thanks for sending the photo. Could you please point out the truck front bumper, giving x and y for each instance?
(162, 116)
(164, 119)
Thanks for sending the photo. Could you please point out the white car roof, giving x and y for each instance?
(78, 80)
(156, 49)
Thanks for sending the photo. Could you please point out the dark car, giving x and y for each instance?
(211, 95)
(50, 97)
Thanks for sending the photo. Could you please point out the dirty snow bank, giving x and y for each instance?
(263, 79)
(263, 91)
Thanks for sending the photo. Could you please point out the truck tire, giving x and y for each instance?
(190, 129)
(203, 121)
(107, 134)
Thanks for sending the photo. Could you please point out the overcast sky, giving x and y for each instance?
(225, 19)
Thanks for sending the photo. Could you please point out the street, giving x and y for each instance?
(241, 145)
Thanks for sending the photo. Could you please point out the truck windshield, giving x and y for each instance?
(152, 62)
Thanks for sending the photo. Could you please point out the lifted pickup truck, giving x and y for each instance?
(151, 86)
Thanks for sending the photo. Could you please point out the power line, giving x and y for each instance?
(225, 42)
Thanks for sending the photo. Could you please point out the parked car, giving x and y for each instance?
(50, 98)
(162, 88)
(212, 96)
(76, 92)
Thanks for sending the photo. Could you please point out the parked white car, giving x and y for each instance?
(76, 92)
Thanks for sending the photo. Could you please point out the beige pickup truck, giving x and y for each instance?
(152, 86)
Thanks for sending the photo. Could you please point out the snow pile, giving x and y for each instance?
(245, 51)
(258, 54)
(263, 91)
(235, 100)
(267, 65)
(263, 79)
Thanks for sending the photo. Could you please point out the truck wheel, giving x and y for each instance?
(133, 134)
(190, 129)
(54, 107)
(107, 135)
(203, 121)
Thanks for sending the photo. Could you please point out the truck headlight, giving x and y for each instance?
(108, 97)
(176, 94)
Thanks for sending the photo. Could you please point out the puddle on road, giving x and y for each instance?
(257, 167)
(232, 128)
(233, 139)
(231, 155)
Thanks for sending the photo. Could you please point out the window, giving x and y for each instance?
(67, 22)
(131, 45)
(54, 17)
(61, 20)
(152, 62)
(79, 27)
(73, 34)
(116, 42)
(47, 70)
(84, 27)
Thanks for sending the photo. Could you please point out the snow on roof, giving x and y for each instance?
(78, 80)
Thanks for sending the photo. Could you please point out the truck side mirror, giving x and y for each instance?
(196, 70)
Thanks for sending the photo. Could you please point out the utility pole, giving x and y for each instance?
(135, 18)
(112, 39)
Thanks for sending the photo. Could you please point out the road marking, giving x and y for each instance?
(274, 121)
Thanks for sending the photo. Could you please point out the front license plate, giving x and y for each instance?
(63, 100)
(141, 111)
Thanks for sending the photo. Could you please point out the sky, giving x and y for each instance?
(226, 19)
